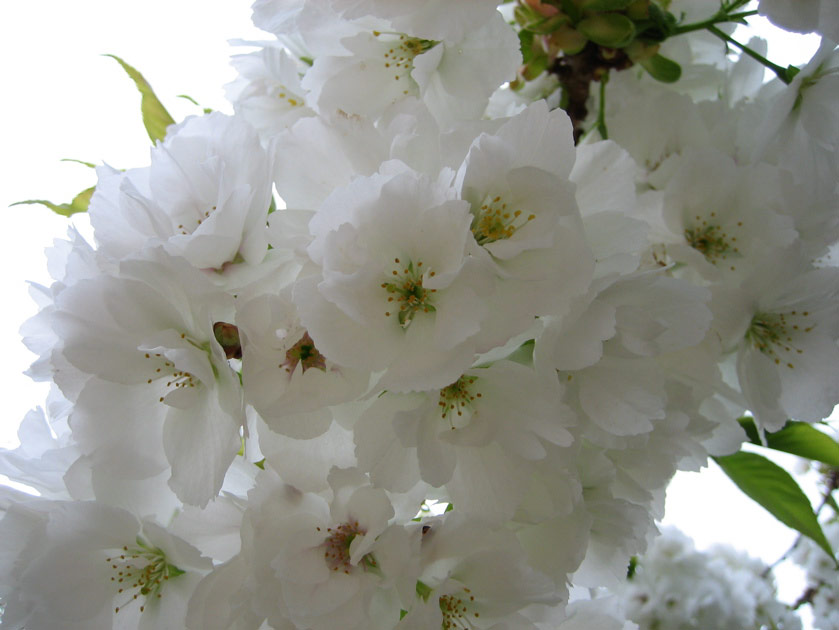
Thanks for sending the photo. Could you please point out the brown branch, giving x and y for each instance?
(575, 74)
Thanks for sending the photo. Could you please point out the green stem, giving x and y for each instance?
(601, 109)
(719, 18)
(782, 73)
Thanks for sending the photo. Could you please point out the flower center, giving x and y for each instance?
(771, 333)
(407, 293)
(712, 241)
(305, 354)
(456, 398)
(292, 99)
(186, 229)
(456, 614)
(494, 221)
(178, 379)
(336, 547)
(140, 571)
(400, 53)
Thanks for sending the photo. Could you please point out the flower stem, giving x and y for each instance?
(784, 74)
(719, 18)
(601, 108)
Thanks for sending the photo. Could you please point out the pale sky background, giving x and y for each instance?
(62, 99)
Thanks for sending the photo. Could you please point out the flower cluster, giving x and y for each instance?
(675, 586)
(455, 306)
(822, 580)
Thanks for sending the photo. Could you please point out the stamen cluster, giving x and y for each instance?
(494, 221)
(408, 292)
(142, 569)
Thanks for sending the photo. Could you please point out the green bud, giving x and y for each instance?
(612, 30)
(662, 69)
(526, 16)
(638, 10)
(227, 336)
(606, 5)
(550, 24)
(638, 50)
(568, 40)
(664, 21)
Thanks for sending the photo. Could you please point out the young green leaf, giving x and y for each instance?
(79, 204)
(606, 5)
(608, 29)
(82, 162)
(776, 491)
(526, 45)
(155, 117)
(662, 69)
(798, 438)
(187, 97)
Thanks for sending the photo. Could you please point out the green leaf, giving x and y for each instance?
(82, 162)
(570, 8)
(535, 67)
(608, 29)
(187, 97)
(155, 117)
(606, 5)
(662, 69)
(798, 438)
(174, 571)
(664, 20)
(749, 426)
(523, 354)
(526, 45)
(79, 204)
(776, 491)
(423, 590)
(632, 568)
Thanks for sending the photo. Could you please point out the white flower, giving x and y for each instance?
(678, 587)
(397, 290)
(473, 577)
(89, 566)
(477, 436)
(205, 196)
(782, 321)
(147, 339)
(430, 19)
(604, 174)
(726, 227)
(803, 16)
(525, 223)
(284, 375)
(41, 460)
(267, 93)
(798, 128)
(317, 155)
(320, 561)
(381, 65)
(821, 577)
